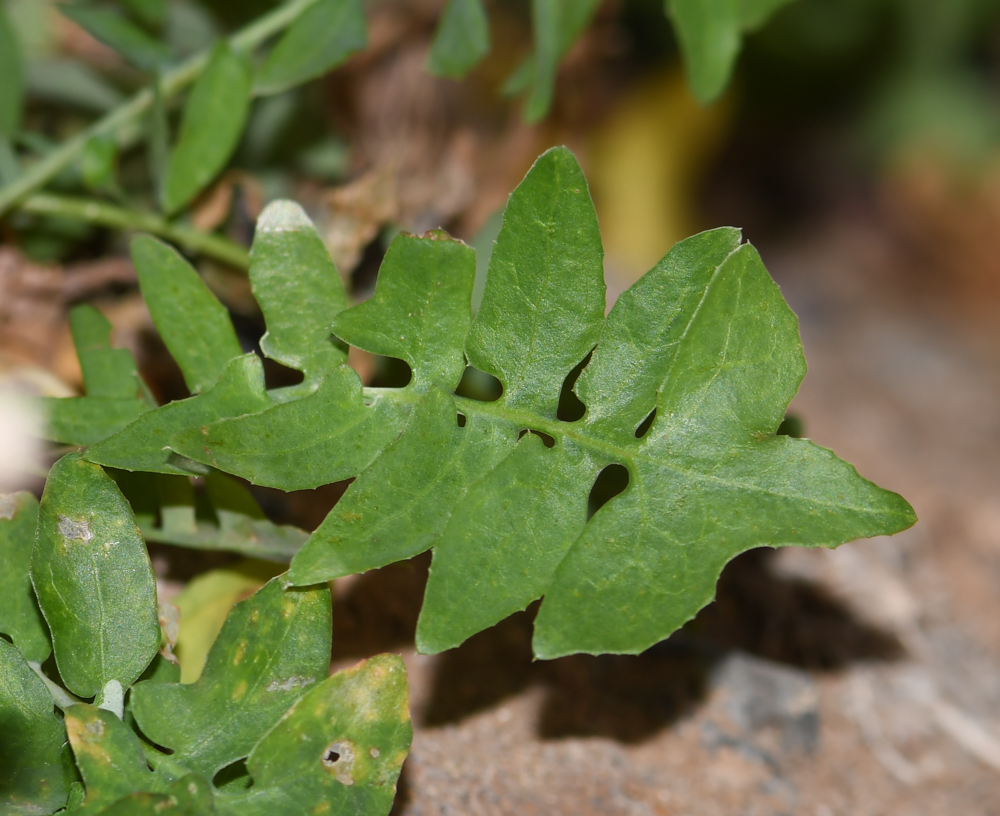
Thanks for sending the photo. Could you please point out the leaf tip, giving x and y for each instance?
(283, 215)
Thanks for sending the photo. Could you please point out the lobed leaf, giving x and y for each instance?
(706, 341)
(108, 755)
(273, 646)
(684, 385)
(93, 579)
(34, 776)
(20, 618)
(462, 39)
(339, 749)
(323, 37)
(211, 126)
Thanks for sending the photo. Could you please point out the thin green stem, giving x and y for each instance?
(129, 112)
(108, 215)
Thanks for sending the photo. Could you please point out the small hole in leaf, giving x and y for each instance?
(233, 777)
(461, 420)
(331, 756)
(570, 407)
(791, 426)
(610, 482)
(390, 372)
(645, 425)
(479, 385)
(277, 375)
(547, 440)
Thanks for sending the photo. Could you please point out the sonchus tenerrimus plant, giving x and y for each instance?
(684, 384)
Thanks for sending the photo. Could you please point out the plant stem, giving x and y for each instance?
(107, 215)
(60, 696)
(129, 112)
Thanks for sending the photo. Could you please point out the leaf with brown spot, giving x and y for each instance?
(93, 579)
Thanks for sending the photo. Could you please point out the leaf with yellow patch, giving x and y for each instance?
(109, 756)
(273, 646)
(339, 749)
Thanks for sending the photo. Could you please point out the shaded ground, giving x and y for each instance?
(861, 681)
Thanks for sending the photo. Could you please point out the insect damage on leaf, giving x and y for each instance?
(683, 387)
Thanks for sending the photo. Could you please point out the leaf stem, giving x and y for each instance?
(126, 114)
(108, 215)
(62, 698)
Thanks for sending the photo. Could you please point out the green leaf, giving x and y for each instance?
(107, 372)
(12, 71)
(108, 755)
(326, 34)
(415, 490)
(710, 33)
(505, 540)
(211, 126)
(33, 770)
(144, 51)
(329, 435)
(339, 749)
(93, 580)
(204, 605)
(116, 396)
(190, 795)
(685, 384)
(557, 25)
(544, 300)
(20, 618)
(299, 291)
(706, 340)
(273, 646)
(141, 445)
(462, 39)
(194, 326)
(420, 311)
(86, 420)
